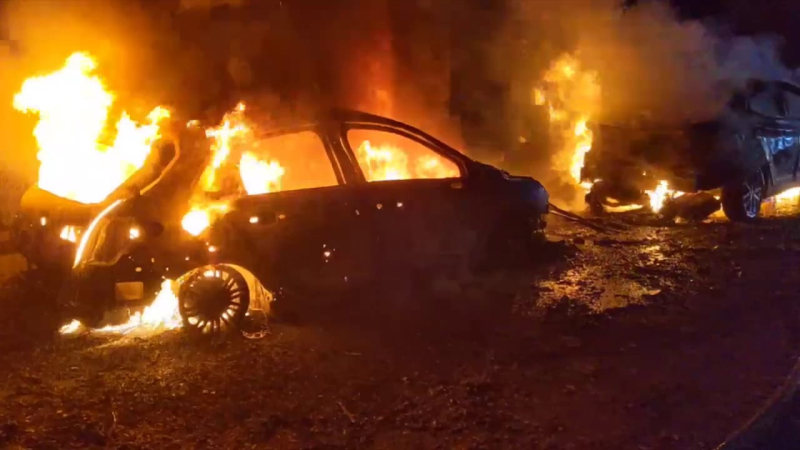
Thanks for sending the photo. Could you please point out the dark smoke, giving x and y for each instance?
(462, 70)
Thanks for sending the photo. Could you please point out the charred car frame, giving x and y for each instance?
(293, 241)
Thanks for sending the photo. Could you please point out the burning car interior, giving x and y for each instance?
(234, 210)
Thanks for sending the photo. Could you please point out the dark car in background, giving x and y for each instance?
(342, 216)
(749, 152)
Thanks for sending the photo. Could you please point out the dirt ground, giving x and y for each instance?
(652, 337)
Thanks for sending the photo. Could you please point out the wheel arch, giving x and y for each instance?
(260, 296)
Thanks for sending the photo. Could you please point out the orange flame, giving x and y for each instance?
(73, 107)
(572, 97)
(661, 194)
(260, 177)
(383, 163)
(162, 314)
(388, 162)
(254, 175)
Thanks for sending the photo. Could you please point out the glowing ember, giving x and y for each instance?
(622, 208)
(197, 220)
(73, 107)
(661, 194)
(70, 328)
(162, 314)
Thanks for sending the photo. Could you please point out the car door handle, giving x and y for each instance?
(264, 218)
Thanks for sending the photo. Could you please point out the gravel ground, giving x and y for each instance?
(653, 337)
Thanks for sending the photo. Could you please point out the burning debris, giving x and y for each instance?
(661, 195)
(161, 315)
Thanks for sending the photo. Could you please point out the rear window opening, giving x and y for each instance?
(385, 156)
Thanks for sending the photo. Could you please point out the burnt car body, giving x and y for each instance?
(347, 231)
(750, 151)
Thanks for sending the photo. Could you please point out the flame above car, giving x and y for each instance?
(73, 106)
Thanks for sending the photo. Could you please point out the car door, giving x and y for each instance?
(415, 194)
(294, 229)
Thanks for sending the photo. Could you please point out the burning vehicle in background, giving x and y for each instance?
(750, 152)
(312, 206)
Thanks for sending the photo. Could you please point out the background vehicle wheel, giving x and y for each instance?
(213, 300)
(741, 201)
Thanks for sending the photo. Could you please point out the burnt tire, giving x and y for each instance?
(741, 200)
(213, 300)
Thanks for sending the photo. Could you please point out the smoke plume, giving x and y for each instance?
(648, 64)
(464, 71)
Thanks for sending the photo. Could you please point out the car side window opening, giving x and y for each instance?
(386, 156)
(285, 162)
(765, 102)
(793, 101)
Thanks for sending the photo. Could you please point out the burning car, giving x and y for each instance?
(750, 152)
(236, 216)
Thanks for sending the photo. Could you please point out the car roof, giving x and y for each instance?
(356, 118)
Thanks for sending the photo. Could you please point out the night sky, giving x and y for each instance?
(749, 17)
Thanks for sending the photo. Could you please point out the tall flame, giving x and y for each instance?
(572, 97)
(73, 107)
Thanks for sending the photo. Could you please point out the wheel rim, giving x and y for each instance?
(751, 200)
(213, 300)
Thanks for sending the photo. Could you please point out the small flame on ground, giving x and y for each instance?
(661, 194)
(71, 327)
(622, 208)
(163, 314)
